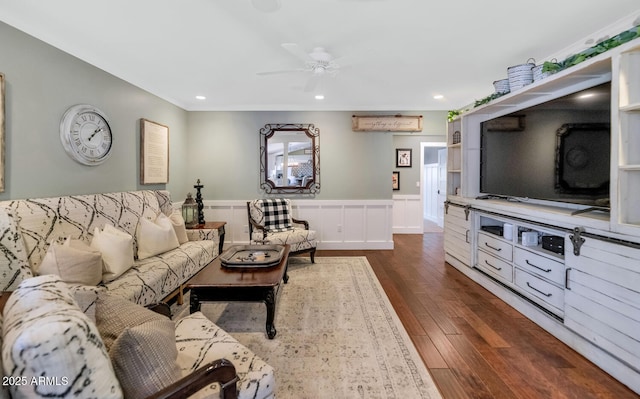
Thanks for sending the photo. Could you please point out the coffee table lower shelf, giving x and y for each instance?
(216, 283)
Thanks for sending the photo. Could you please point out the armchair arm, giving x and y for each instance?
(221, 370)
(304, 222)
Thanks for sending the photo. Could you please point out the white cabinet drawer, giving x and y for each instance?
(495, 246)
(540, 288)
(540, 265)
(495, 266)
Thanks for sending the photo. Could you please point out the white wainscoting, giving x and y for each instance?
(407, 214)
(340, 224)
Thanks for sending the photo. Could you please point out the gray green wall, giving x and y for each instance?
(219, 148)
(41, 82)
(434, 131)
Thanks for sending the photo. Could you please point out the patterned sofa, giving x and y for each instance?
(28, 228)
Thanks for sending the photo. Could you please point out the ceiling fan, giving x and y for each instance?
(319, 63)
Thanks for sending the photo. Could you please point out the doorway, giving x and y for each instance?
(433, 175)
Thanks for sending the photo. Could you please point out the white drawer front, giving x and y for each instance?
(540, 288)
(495, 266)
(495, 246)
(536, 264)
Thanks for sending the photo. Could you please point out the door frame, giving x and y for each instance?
(424, 144)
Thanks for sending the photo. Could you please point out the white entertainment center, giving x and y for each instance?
(572, 269)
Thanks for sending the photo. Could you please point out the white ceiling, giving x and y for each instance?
(394, 54)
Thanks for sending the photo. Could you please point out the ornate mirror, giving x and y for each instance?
(290, 158)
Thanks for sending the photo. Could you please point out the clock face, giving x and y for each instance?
(86, 135)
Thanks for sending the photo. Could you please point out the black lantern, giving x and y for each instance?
(190, 212)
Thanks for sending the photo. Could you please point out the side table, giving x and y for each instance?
(218, 226)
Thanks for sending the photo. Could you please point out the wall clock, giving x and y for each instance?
(86, 135)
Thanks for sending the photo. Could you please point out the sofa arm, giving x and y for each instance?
(221, 371)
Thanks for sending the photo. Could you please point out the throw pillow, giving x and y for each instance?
(47, 337)
(144, 358)
(155, 237)
(114, 314)
(116, 248)
(276, 214)
(178, 226)
(74, 261)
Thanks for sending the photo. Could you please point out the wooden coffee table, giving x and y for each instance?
(226, 284)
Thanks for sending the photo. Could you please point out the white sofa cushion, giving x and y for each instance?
(178, 226)
(156, 237)
(74, 261)
(116, 248)
(46, 335)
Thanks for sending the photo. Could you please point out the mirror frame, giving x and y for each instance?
(268, 185)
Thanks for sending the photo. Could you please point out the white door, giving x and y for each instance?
(430, 189)
(442, 184)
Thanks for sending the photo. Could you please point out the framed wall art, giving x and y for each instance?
(403, 157)
(1, 132)
(395, 181)
(154, 152)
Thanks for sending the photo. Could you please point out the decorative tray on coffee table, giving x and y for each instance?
(252, 256)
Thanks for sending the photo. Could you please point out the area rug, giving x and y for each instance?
(338, 335)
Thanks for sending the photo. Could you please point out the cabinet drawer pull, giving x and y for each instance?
(535, 289)
(494, 248)
(537, 267)
(497, 268)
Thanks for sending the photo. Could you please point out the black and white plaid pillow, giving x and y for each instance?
(276, 214)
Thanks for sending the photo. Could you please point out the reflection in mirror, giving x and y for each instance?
(290, 158)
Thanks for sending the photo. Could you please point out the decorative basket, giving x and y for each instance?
(502, 86)
(521, 75)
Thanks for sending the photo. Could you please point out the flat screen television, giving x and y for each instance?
(557, 151)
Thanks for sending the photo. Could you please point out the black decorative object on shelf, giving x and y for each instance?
(198, 187)
(456, 137)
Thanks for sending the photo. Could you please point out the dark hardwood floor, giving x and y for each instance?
(474, 345)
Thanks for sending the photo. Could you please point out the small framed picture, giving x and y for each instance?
(403, 157)
(395, 182)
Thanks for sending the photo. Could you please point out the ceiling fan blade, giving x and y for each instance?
(295, 50)
(282, 71)
(312, 83)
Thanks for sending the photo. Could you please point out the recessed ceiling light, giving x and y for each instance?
(586, 95)
(201, 97)
(438, 96)
(319, 97)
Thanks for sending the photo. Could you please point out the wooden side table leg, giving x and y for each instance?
(221, 236)
(194, 302)
(270, 301)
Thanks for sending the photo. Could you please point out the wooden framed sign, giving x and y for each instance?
(386, 123)
(154, 152)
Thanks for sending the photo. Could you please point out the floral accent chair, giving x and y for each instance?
(271, 221)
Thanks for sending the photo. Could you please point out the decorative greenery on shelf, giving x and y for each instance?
(488, 98)
(453, 114)
(599, 48)
(603, 46)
